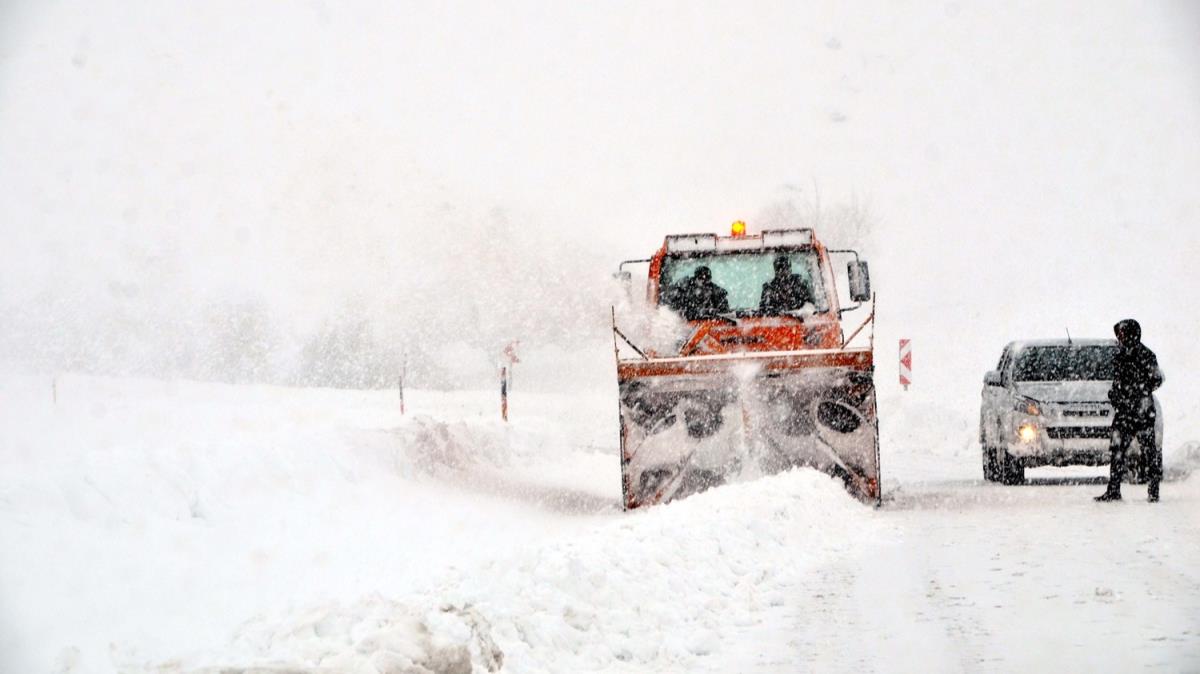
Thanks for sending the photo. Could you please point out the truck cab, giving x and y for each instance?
(741, 266)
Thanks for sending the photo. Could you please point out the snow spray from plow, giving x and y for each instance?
(753, 386)
(686, 426)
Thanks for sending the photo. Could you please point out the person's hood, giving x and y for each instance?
(1129, 332)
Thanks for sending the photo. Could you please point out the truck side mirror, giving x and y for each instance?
(860, 281)
(626, 280)
(993, 378)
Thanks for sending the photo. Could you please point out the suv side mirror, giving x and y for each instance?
(860, 281)
(993, 378)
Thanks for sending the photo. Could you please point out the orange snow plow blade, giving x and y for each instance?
(689, 423)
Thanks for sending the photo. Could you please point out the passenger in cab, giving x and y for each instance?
(698, 297)
(786, 291)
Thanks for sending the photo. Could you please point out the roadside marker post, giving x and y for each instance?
(504, 394)
(905, 363)
(403, 371)
(510, 355)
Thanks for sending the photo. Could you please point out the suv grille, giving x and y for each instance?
(1097, 412)
(1075, 432)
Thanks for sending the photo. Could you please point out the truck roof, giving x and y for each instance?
(771, 239)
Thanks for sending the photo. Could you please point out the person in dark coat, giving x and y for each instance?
(698, 297)
(1135, 377)
(785, 292)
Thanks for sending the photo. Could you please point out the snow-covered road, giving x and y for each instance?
(978, 577)
(180, 527)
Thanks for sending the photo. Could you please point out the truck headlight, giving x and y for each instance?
(1027, 406)
(1027, 433)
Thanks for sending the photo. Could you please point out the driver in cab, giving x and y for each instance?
(786, 291)
(698, 297)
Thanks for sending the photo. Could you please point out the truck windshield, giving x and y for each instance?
(743, 275)
(1065, 363)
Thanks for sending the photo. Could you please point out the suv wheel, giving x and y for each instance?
(1012, 470)
(991, 469)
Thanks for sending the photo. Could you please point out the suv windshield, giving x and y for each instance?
(743, 275)
(1065, 363)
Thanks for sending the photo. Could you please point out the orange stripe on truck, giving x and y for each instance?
(858, 359)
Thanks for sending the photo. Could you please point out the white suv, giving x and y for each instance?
(1046, 404)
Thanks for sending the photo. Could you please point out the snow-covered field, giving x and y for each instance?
(150, 526)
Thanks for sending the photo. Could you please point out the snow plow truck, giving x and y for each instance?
(757, 375)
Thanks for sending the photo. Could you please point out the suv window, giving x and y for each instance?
(1004, 359)
(1065, 363)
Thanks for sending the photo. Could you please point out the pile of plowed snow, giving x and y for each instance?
(679, 587)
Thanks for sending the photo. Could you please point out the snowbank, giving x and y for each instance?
(672, 588)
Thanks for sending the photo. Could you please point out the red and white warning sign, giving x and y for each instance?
(905, 363)
(510, 352)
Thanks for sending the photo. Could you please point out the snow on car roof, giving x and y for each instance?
(1017, 345)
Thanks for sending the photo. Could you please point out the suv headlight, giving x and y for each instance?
(1027, 433)
(1028, 406)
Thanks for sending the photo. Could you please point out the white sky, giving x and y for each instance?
(1017, 156)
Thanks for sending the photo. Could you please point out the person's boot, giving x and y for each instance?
(1116, 469)
(1113, 491)
(1152, 492)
